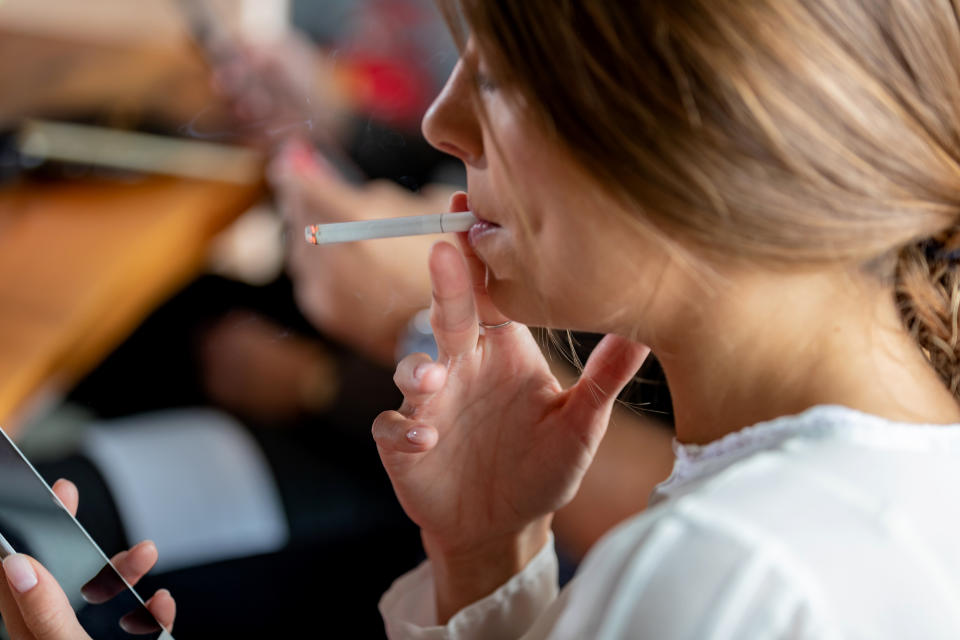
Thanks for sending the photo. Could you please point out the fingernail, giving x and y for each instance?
(299, 156)
(417, 436)
(302, 162)
(419, 370)
(144, 544)
(455, 197)
(20, 572)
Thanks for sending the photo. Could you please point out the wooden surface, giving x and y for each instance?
(119, 84)
(82, 263)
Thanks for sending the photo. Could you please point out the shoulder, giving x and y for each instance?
(808, 540)
(679, 571)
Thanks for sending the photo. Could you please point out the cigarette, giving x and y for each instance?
(389, 227)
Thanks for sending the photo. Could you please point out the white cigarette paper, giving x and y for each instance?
(389, 227)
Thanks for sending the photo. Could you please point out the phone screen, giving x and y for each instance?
(33, 521)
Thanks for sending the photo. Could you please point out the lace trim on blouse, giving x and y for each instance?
(821, 422)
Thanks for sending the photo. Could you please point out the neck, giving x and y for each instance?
(772, 344)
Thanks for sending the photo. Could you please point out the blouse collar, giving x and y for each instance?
(821, 422)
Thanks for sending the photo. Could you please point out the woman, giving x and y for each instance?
(768, 195)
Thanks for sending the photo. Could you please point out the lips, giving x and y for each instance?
(480, 229)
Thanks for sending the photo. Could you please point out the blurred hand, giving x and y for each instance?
(361, 293)
(263, 372)
(282, 88)
(487, 444)
(34, 607)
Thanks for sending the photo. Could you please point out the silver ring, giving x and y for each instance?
(501, 325)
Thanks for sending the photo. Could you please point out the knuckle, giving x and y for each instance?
(462, 324)
(405, 363)
(446, 297)
(403, 374)
(381, 425)
(455, 320)
(45, 622)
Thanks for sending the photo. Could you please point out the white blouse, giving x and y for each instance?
(829, 524)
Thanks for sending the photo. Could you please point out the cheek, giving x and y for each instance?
(574, 279)
(548, 306)
(540, 289)
(517, 301)
(532, 267)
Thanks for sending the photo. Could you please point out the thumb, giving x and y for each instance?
(486, 310)
(609, 368)
(43, 606)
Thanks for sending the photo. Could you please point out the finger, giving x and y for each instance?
(453, 314)
(418, 377)
(102, 587)
(458, 202)
(394, 434)
(68, 495)
(42, 605)
(10, 613)
(297, 166)
(132, 565)
(164, 608)
(291, 161)
(486, 310)
(135, 563)
(140, 621)
(292, 206)
(161, 608)
(609, 368)
(439, 196)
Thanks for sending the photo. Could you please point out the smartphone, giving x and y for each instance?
(34, 521)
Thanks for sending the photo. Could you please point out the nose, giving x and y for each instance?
(451, 124)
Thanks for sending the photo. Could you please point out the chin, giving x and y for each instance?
(512, 300)
(564, 311)
(521, 304)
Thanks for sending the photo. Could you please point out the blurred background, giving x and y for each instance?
(170, 343)
(156, 346)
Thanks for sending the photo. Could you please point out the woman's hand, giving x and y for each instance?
(361, 293)
(33, 605)
(487, 444)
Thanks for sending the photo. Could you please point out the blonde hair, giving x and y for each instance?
(782, 131)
